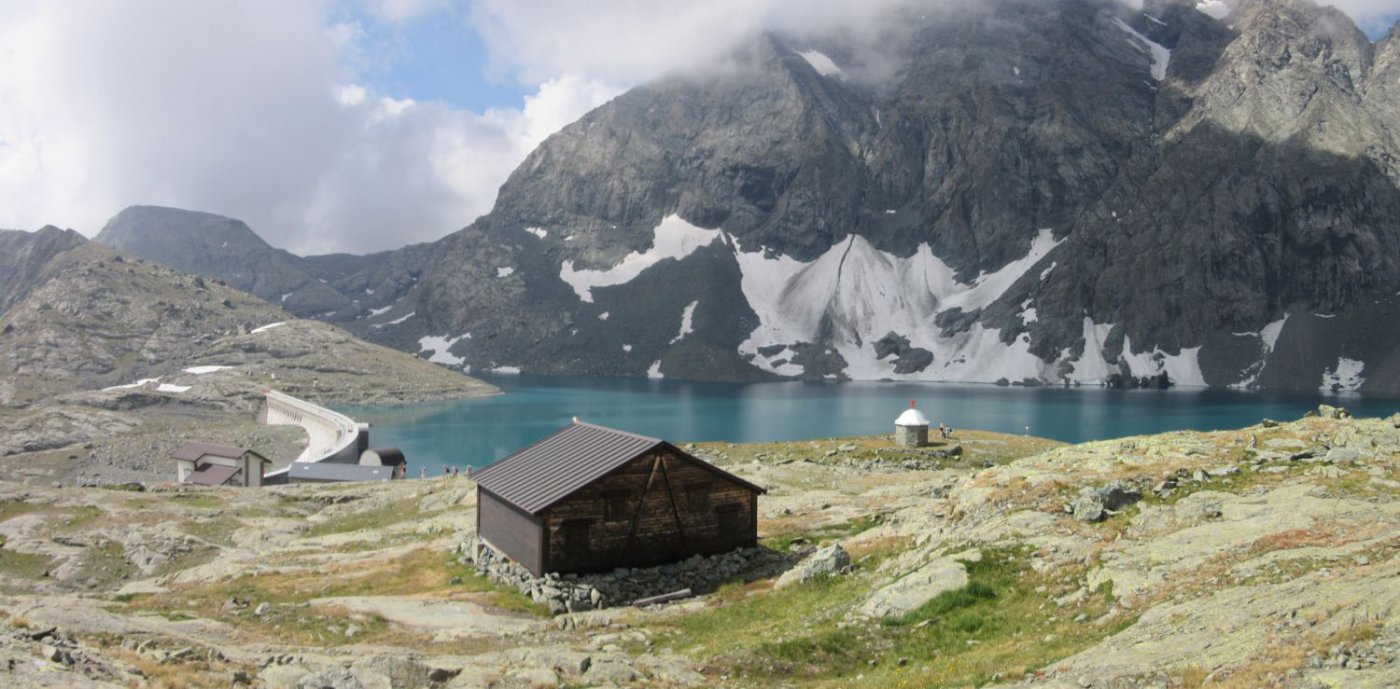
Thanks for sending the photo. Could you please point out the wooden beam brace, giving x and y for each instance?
(641, 502)
(675, 509)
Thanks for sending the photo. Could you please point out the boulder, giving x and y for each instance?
(907, 593)
(391, 672)
(1328, 411)
(333, 677)
(1118, 495)
(611, 672)
(1088, 507)
(827, 561)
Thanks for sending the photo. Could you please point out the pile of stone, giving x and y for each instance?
(1096, 504)
(570, 593)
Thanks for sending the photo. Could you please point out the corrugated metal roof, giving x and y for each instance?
(554, 468)
(193, 451)
(540, 475)
(212, 474)
(331, 471)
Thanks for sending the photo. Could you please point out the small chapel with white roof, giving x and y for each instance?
(911, 428)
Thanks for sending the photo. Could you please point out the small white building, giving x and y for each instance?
(911, 428)
(219, 465)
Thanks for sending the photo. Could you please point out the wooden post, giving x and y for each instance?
(641, 502)
(663, 598)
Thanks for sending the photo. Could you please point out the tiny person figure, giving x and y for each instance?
(942, 430)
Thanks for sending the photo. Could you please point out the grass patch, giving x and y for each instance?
(23, 565)
(784, 542)
(198, 500)
(81, 516)
(14, 508)
(392, 513)
(1003, 622)
(947, 602)
(201, 670)
(219, 531)
(979, 447)
(292, 620)
(104, 566)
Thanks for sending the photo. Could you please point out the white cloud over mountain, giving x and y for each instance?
(246, 109)
(259, 109)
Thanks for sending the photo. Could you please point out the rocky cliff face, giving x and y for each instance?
(1053, 191)
(1064, 191)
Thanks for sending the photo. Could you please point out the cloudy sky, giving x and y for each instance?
(335, 125)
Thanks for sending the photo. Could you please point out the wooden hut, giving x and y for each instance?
(592, 498)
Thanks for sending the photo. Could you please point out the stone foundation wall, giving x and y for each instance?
(582, 592)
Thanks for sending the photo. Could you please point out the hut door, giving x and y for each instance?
(576, 539)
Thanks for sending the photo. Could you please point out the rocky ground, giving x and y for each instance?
(1258, 557)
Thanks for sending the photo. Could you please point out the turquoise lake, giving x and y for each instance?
(476, 432)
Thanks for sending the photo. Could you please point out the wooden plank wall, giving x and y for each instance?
(514, 532)
(656, 528)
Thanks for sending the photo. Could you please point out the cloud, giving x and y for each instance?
(264, 110)
(246, 109)
(631, 41)
(1373, 16)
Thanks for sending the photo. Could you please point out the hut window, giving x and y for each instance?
(697, 497)
(615, 506)
(728, 518)
(575, 538)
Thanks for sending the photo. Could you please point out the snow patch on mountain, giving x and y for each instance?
(654, 372)
(1182, 369)
(1345, 376)
(396, 321)
(440, 348)
(505, 272)
(1213, 8)
(140, 383)
(687, 324)
(673, 238)
(824, 65)
(537, 232)
(1161, 55)
(1094, 366)
(854, 294)
(201, 370)
(1268, 340)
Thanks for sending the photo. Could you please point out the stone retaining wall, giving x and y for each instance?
(581, 592)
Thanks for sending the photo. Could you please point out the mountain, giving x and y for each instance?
(333, 288)
(1047, 191)
(95, 345)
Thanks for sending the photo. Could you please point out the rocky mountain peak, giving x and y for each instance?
(1061, 191)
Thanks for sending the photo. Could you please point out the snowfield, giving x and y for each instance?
(673, 238)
